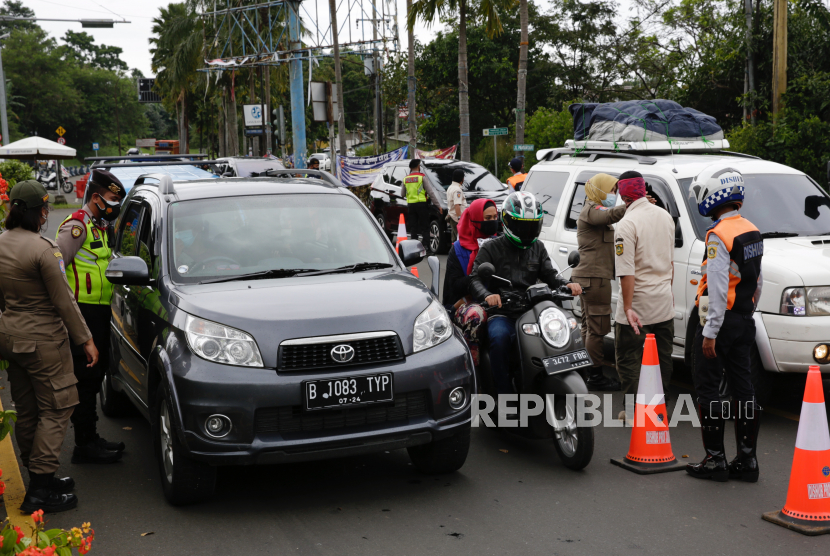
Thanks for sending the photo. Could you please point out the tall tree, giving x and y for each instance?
(430, 11)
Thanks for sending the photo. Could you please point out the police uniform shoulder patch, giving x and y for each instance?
(63, 268)
(712, 249)
(58, 255)
(619, 249)
(95, 235)
(77, 231)
(600, 207)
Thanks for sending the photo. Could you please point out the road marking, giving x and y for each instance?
(15, 489)
(770, 410)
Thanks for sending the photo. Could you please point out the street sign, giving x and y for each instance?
(95, 146)
(253, 115)
(61, 141)
(145, 143)
(146, 92)
(60, 131)
(522, 147)
(493, 131)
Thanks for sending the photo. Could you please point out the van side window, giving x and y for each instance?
(398, 174)
(129, 231)
(145, 248)
(578, 199)
(548, 188)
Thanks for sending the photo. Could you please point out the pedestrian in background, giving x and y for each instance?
(456, 202)
(644, 248)
(516, 181)
(595, 271)
(417, 207)
(84, 241)
(478, 223)
(39, 317)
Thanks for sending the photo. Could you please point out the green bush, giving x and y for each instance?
(801, 142)
(14, 171)
(504, 147)
(547, 128)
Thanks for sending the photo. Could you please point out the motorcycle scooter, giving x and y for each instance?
(546, 360)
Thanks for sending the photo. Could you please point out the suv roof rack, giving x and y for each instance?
(552, 154)
(292, 173)
(158, 163)
(133, 157)
(165, 182)
(677, 147)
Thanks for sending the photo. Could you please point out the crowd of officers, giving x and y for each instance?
(54, 332)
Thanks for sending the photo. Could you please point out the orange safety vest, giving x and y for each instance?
(516, 181)
(745, 245)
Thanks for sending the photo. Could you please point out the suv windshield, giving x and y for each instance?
(476, 177)
(232, 236)
(787, 203)
(245, 167)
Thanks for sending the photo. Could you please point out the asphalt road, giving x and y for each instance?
(513, 496)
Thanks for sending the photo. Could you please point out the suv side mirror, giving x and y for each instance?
(128, 271)
(411, 251)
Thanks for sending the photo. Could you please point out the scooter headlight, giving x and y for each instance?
(555, 327)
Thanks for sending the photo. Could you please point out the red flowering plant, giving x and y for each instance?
(4, 200)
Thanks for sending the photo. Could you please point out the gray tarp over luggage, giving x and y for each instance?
(642, 120)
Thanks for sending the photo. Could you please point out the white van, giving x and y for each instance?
(791, 210)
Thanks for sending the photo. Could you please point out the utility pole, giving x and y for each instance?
(5, 121)
(522, 76)
(338, 76)
(118, 120)
(750, 62)
(779, 55)
(376, 78)
(295, 68)
(413, 128)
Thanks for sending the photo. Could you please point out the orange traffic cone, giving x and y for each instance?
(414, 271)
(401, 231)
(650, 448)
(808, 499)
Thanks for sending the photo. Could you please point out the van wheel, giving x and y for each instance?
(184, 481)
(442, 456)
(438, 242)
(113, 403)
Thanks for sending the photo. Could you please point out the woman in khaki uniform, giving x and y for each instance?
(595, 271)
(39, 316)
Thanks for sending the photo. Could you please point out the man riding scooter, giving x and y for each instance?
(518, 257)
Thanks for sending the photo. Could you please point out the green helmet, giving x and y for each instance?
(521, 216)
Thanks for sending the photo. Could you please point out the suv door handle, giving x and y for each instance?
(563, 249)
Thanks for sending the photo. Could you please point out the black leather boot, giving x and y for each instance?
(111, 446)
(745, 465)
(597, 381)
(93, 452)
(62, 485)
(39, 496)
(714, 465)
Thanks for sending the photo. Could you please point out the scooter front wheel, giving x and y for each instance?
(575, 445)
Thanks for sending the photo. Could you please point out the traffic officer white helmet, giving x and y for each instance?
(716, 186)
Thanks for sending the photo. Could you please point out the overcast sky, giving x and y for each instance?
(133, 37)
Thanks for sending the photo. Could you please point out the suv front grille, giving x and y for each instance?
(294, 419)
(295, 355)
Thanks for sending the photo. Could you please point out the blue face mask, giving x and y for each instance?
(610, 200)
(186, 237)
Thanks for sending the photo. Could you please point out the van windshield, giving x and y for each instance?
(231, 236)
(786, 203)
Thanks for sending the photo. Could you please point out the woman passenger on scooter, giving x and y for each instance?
(478, 223)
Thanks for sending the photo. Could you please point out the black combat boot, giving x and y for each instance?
(39, 496)
(745, 465)
(714, 465)
(94, 452)
(111, 446)
(597, 381)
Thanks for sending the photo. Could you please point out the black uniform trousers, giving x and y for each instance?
(733, 347)
(417, 221)
(85, 416)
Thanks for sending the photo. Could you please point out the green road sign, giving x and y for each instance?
(493, 131)
(522, 147)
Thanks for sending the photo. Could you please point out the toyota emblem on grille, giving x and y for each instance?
(342, 353)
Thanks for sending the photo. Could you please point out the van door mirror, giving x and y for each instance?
(411, 252)
(128, 271)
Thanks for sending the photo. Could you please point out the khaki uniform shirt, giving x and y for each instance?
(35, 298)
(644, 247)
(455, 197)
(72, 235)
(595, 237)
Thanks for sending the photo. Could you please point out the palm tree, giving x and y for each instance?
(429, 11)
(522, 77)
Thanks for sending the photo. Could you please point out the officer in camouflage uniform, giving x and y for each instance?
(83, 239)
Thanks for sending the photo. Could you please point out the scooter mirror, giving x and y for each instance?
(486, 270)
(573, 259)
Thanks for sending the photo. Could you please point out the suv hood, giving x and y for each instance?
(805, 258)
(279, 309)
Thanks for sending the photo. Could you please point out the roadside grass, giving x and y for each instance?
(66, 206)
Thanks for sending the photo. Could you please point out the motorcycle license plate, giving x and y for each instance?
(348, 390)
(567, 361)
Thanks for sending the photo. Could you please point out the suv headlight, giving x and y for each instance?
(432, 327)
(813, 301)
(221, 344)
(555, 327)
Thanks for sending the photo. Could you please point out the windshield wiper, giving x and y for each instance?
(766, 235)
(273, 273)
(350, 268)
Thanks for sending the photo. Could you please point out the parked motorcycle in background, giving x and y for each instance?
(46, 173)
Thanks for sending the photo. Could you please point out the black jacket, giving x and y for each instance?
(523, 267)
(456, 281)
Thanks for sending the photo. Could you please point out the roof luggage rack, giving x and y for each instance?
(156, 156)
(552, 154)
(292, 173)
(677, 147)
(159, 163)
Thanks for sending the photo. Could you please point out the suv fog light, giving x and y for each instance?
(457, 398)
(217, 426)
(821, 353)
